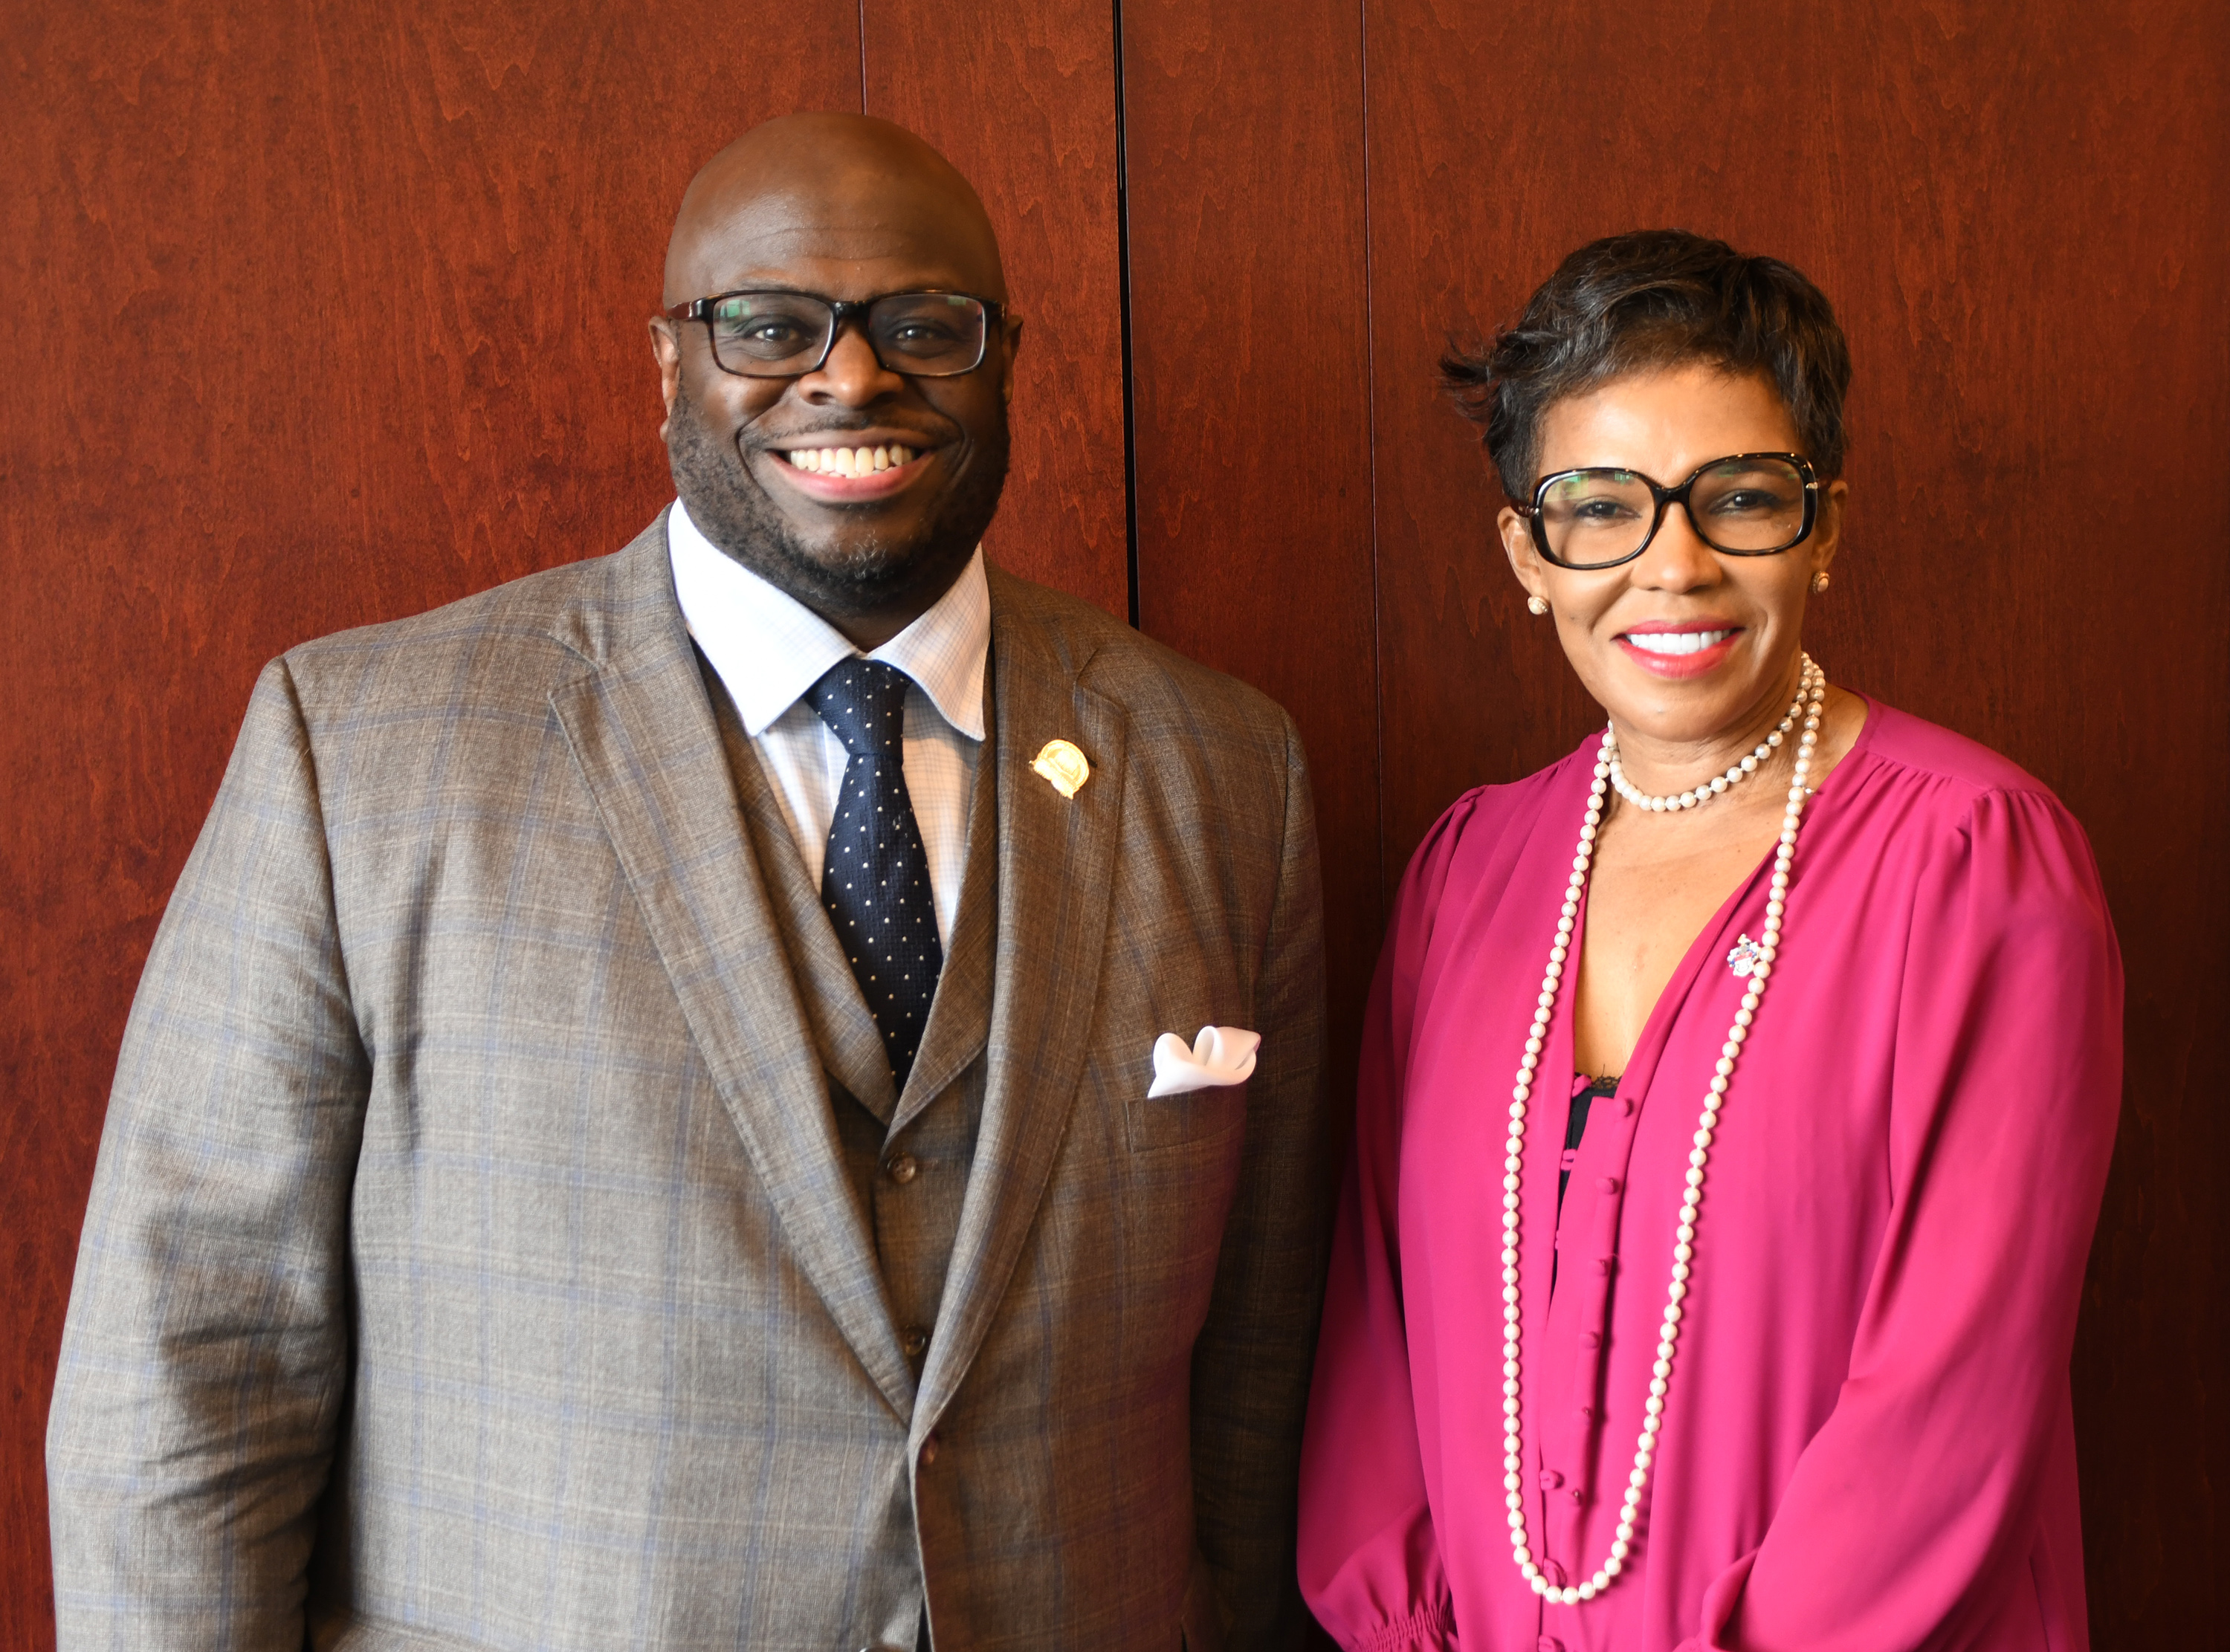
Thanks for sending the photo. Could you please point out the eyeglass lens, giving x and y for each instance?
(1592, 519)
(776, 335)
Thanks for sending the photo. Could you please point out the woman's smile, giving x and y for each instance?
(1685, 648)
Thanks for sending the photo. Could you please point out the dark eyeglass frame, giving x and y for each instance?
(840, 312)
(1665, 498)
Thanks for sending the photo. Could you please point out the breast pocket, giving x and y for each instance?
(1172, 1123)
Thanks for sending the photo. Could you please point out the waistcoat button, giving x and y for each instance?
(902, 1167)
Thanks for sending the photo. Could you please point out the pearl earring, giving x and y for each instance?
(1536, 606)
(1820, 580)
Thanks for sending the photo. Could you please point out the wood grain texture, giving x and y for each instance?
(2019, 218)
(1249, 302)
(320, 315)
(1023, 103)
(389, 268)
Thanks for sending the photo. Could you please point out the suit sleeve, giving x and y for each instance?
(1251, 1361)
(1370, 1563)
(2007, 1081)
(205, 1356)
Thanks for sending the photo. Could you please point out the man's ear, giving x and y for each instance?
(667, 348)
(1011, 331)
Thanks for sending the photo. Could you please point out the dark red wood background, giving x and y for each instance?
(321, 315)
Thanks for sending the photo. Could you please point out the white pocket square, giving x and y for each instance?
(1221, 1055)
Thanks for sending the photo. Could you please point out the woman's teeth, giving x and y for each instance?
(1676, 642)
(850, 462)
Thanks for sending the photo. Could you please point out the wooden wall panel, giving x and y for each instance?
(1249, 347)
(394, 263)
(2019, 216)
(317, 315)
(1025, 105)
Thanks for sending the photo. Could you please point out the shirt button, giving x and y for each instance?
(913, 1340)
(902, 1167)
(1551, 1479)
(1603, 1264)
(1591, 1339)
(1553, 1573)
(1625, 1107)
(1551, 1644)
(1578, 1495)
(1606, 1184)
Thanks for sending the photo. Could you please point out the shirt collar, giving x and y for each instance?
(769, 647)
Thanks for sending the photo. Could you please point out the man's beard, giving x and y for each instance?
(731, 510)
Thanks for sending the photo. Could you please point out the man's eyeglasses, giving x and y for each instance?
(773, 334)
(1745, 504)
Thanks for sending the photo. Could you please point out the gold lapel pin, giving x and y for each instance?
(1064, 765)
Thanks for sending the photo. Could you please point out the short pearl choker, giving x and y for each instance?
(1812, 688)
(1718, 783)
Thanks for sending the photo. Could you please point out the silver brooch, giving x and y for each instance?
(1745, 958)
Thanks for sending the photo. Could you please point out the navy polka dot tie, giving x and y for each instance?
(875, 882)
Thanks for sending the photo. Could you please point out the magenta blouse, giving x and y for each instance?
(1867, 1444)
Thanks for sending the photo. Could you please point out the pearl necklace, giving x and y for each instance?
(1812, 687)
(1718, 783)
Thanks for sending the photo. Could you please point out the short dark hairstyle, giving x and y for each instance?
(1648, 299)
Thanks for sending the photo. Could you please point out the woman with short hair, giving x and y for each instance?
(1737, 1093)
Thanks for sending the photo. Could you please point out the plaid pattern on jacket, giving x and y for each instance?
(471, 1261)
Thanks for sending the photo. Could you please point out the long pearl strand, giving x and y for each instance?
(1812, 688)
(1713, 786)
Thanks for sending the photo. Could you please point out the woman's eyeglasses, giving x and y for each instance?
(1745, 504)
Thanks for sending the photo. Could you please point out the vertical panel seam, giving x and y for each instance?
(1123, 309)
(863, 58)
(1370, 446)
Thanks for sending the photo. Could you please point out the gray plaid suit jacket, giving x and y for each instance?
(471, 1262)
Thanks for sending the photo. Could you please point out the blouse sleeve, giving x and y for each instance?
(1912, 1511)
(1369, 1563)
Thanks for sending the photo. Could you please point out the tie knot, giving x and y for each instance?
(864, 702)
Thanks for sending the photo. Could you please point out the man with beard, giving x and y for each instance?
(649, 1120)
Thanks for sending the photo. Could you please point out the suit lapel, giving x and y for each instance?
(960, 1014)
(643, 734)
(1056, 863)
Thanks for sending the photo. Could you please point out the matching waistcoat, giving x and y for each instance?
(908, 1152)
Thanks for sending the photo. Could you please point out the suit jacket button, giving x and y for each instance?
(913, 1340)
(902, 1167)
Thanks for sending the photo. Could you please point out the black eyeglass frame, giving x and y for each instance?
(841, 310)
(1665, 498)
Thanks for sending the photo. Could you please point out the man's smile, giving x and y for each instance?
(870, 467)
(848, 461)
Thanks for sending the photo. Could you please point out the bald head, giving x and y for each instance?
(835, 204)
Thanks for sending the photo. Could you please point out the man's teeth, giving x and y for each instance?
(850, 462)
(1676, 642)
